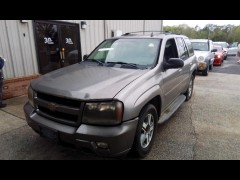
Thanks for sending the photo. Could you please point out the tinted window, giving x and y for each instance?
(189, 46)
(183, 52)
(170, 50)
(219, 48)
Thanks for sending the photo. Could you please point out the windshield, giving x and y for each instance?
(139, 52)
(200, 46)
(234, 44)
(219, 48)
(224, 45)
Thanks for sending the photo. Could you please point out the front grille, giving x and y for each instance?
(59, 115)
(59, 100)
(62, 110)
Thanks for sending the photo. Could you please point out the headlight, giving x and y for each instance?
(31, 96)
(218, 56)
(103, 113)
(201, 59)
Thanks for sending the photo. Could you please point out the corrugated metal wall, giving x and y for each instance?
(153, 25)
(132, 25)
(19, 50)
(123, 25)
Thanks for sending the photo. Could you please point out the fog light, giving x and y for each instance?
(102, 145)
(202, 66)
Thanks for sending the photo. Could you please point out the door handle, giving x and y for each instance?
(180, 70)
(63, 51)
(62, 54)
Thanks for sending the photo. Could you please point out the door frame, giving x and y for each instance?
(56, 23)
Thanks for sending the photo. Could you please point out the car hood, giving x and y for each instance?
(86, 82)
(218, 53)
(233, 49)
(201, 53)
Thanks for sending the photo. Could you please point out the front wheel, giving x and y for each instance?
(145, 131)
(211, 67)
(205, 73)
(189, 91)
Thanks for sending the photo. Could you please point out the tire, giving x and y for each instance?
(146, 131)
(225, 58)
(211, 67)
(205, 73)
(189, 91)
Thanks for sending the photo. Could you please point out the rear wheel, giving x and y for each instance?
(145, 131)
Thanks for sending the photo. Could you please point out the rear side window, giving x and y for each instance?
(189, 46)
(183, 51)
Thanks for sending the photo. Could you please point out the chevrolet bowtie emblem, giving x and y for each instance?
(52, 107)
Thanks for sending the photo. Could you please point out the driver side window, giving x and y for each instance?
(170, 50)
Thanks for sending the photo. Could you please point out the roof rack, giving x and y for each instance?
(143, 32)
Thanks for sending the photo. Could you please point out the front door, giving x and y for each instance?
(58, 45)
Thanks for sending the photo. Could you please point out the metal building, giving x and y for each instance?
(35, 47)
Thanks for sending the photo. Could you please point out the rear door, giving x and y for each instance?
(171, 76)
(187, 56)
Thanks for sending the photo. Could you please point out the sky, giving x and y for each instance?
(200, 23)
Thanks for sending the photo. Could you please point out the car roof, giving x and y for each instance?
(220, 42)
(148, 34)
(199, 40)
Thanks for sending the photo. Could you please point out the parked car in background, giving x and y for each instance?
(219, 55)
(225, 46)
(203, 49)
(232, 50)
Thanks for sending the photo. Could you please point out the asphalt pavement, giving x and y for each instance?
(205, 128)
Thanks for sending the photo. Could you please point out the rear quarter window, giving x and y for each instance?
(183, 51)
(189, 46)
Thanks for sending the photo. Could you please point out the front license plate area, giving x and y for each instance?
(50, 134)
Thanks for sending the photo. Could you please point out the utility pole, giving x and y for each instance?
(208, 32)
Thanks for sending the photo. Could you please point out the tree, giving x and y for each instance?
(228, 33)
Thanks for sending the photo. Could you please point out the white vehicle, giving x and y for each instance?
(232, 51)
(203, 49)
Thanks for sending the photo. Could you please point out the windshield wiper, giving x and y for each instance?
(124, 63)
(95, 60)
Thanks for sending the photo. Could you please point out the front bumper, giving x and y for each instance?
(217, 61)
(118, 138)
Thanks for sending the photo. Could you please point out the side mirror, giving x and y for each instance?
(173, 63)
(85, 56)
(214, 50)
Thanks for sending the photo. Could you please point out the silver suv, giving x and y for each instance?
(112, 101)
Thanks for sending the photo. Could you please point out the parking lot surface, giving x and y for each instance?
(206, 127)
